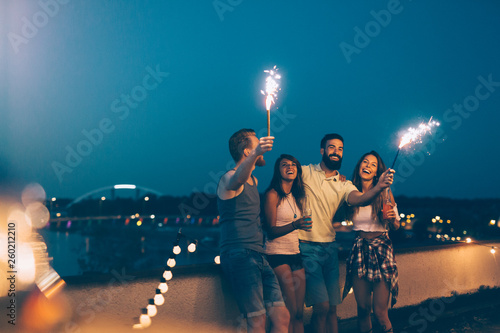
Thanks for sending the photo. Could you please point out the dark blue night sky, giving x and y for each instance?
(96, 93)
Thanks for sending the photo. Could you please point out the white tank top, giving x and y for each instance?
(363, 220)
(289, 243)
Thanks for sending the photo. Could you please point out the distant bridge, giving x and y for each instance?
(113, 189)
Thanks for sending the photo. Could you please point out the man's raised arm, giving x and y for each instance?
(243, 171)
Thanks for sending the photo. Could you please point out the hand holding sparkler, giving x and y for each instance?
(386, 179)
(265, 145)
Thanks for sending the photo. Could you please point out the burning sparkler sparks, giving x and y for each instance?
(271, 93)
(414, 135)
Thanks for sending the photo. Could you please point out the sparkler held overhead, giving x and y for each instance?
(271, 93)
(414, 135)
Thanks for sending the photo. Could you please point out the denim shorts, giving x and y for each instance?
(321, 263)
(254, 283)
(292, 260)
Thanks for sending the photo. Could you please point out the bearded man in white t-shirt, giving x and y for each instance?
(319, 252)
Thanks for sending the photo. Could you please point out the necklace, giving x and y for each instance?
(294, 214)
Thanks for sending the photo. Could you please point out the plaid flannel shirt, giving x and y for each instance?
(374, 260)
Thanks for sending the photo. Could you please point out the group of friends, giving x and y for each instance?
(287, 256)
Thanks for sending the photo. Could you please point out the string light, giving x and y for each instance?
(192, 247)
(468, 240)
(144, 319)
(159, 299)
(152, 311)
(167, 275)
(163, 285)
(171, 262)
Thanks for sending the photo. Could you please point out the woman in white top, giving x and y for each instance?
(283, 216)
(371, 266)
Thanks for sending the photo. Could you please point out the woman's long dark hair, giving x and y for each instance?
(297, 191)
(356, 180)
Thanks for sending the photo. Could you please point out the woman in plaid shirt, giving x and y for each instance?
(371, 267)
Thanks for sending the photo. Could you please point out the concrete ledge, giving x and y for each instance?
(199, 296)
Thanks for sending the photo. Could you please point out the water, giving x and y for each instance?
(103, 249)
(97, 248)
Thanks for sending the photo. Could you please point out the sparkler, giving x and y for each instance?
(413, 135)
(271, 93)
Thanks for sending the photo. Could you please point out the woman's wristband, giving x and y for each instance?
(293, 225)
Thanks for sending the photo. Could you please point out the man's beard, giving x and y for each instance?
(332, 165)
(260, 161)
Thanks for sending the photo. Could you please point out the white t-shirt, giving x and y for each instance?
(325, 196)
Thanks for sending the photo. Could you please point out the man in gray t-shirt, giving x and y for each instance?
(242, 254)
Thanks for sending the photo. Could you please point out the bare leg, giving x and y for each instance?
(299, 278)
(280, 318)
(362, 293)
(332, 325)
(381, 295)
(285, 278)
(318, 319)
(256, 324)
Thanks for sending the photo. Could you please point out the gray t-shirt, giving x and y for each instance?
(239, 218)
